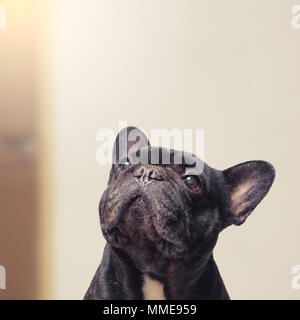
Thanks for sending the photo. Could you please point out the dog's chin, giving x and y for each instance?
(137, 233)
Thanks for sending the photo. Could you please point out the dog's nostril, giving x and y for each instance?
(139, 173)
(153, 174)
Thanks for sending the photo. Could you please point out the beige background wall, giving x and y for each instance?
(230, 67)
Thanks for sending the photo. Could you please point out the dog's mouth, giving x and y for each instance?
(145, 226)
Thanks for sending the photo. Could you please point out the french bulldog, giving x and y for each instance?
(161, 221)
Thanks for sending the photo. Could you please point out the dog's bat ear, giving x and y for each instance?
(128, 140)
(248, 184)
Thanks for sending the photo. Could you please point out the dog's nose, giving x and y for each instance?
(148, 173)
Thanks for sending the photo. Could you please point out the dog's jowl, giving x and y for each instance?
(161, 220)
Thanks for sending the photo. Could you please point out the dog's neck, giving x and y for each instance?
(195, 279)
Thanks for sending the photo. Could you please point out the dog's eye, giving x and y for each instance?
(193, 183)
(125, 165)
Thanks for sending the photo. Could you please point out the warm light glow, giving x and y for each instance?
(2, 18)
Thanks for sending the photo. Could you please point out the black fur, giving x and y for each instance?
(158, 224)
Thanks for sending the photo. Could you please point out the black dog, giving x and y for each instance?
(161, 223)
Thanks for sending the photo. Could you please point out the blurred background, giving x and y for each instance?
(69, 68)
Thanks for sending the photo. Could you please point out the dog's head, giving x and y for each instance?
(156, 203)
